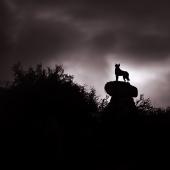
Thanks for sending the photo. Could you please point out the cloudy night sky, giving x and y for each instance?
(89, 37)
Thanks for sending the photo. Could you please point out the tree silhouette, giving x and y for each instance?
(46, 104)
(47, 117)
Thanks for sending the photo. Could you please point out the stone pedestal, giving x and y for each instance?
(121, 103)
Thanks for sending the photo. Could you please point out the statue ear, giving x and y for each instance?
(119, 64)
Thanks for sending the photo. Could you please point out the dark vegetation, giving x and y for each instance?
(48, 119)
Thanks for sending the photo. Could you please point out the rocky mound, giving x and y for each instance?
(122, 104)
(120, 89)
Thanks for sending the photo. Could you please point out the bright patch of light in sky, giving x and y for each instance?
(145, 78)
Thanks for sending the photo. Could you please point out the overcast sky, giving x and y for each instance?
(88, 37)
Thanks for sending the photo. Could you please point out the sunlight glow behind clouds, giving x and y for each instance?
(144, 78)
(89, 38)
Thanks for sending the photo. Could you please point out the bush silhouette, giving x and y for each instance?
(53, 91)
(48, 118)
(46, 104)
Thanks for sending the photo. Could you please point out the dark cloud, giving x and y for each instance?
(6, 44)
(85, 32)
(126, 28)
(41, 40)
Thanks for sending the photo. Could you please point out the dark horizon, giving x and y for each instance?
(48, 119)
(89, 38)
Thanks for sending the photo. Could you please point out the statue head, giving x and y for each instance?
(117, 65)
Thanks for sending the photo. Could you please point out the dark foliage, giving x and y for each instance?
(45, 113)
(48, 119)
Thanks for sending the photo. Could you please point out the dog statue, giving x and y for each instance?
(119, 72)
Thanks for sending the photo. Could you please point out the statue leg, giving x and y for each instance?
(124, 78)
(117, 77)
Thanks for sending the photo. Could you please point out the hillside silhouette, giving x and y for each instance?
(48, 119)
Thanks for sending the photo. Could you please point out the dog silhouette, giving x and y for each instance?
(119, 72)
